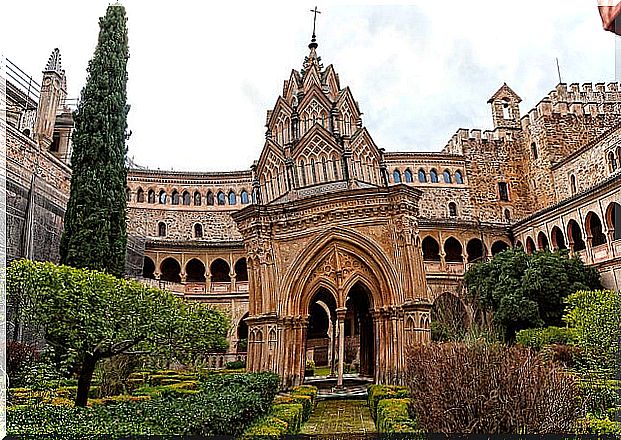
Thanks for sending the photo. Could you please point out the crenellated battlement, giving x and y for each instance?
(577, 99)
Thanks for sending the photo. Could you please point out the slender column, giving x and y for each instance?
(340, 319)
(333, 346)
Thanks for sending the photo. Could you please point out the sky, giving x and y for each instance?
(202, 75)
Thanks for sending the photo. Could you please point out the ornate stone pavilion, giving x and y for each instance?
(329, 248)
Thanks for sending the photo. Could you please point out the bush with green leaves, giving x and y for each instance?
(525, 291)
(393, 416)
(377, 393)
(537, 338)
(224, 406)
(595, 321)
(87, 316)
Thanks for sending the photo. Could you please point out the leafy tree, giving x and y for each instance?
(87, 316)
(525, 291)
(95, 233)
(595, 321)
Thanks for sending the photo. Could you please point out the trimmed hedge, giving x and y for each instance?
(304, 400)
(268, 428)
(305, 390)
(225, 405)
(380, 392)
(393, 416)
(290, 413)
(538, 338)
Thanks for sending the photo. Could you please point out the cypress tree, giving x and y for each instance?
(95, 233)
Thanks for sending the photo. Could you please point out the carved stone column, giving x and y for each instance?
(340, 319)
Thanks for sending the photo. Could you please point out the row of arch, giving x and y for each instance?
(408, 177)
(185, 198)
(194, 270)
(573, 237)
(453, 251)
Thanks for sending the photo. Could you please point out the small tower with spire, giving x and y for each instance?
(53, 94)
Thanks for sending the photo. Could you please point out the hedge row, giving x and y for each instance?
(379, 392)
(393, 416)
(287, 415)
(538, 338)
(225, 405)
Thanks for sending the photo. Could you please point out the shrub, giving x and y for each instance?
(305, 390)
(290, 413)
(304, 400)
(596, 322)
(235, 365)
(380, 392)
(309, 370)
(491, 389)
(391, 412)
(223, 406)
(267, 428)
(538, 338)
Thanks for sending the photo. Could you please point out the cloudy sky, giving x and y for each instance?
(203, 75)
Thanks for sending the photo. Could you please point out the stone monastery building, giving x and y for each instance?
(328, 241)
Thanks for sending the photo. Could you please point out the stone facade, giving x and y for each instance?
(328, 238)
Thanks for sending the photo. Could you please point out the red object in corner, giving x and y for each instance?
(610, 10)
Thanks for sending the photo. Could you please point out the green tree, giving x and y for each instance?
(87, 316)
(595, 320)
(524, 291)
(95, 233)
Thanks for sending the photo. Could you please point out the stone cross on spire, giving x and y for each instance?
(313, 44)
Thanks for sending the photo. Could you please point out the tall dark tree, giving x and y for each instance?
(524, 291)
(95, 233)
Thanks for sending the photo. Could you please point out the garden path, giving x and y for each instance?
(340, 417)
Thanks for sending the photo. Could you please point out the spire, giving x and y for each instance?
(53, 63)
(313, 44)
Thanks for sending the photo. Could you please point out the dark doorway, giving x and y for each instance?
(360, 332)
(148, 268)
(242, 335)
(321, 332)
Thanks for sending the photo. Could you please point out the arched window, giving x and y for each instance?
(335, 167)
(459, 178)
(303, 172)
(186, 198)
(431, 249)
(241, 270)
(612, 162)
(220, 270)
(408, 175)
(574, 235)
(572, 181)
(324, 167)
(210, 198)
(533, 150)
(422, 176)
(128, 194)
(198, 230)
(558, 240)
(530, 245)
(195, 271)
(396, 176)
(452, 209)
(475, 250)
(505, 109)
(170, 270)
(151, 196)
(148, 268)
(313, 171)
(175, 197)
(161, 229)
(221, 198)
(613, 220)
(433, 175)
(452, 250)
(232, 198)
(507, 214)
(499, 246)
(197, 198)
(140, 195)
(447, 176)
(162, 197)
(244, 197)
(542, 242)
(594, 229)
